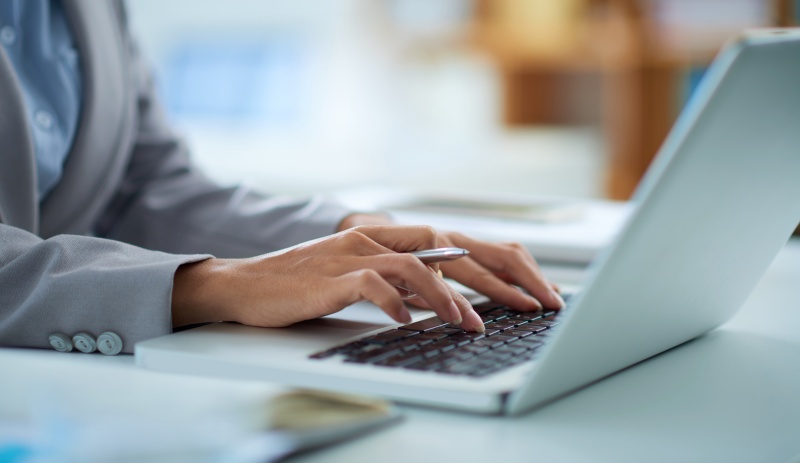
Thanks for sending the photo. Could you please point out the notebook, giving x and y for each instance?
(714, 209)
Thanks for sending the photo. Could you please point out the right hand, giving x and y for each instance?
(319, 278)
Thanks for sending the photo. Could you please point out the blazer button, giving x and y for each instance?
(109, 343)
(60, 342)
(84, 342)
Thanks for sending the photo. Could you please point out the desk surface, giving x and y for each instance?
(731, 396)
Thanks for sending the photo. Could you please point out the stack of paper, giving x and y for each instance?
(555, 230)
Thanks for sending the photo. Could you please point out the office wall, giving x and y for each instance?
(310, 95)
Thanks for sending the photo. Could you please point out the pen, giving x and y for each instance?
(431, 256)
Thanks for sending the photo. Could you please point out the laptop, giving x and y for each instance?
(714, 209)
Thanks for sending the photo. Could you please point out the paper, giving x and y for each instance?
(74, 407)
(574, 241)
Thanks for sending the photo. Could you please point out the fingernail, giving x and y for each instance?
(405, 317)
(535, 303)
(558, 298)
(476, 322)
(455, 314)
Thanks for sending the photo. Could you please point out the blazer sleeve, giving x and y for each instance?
(165, 203)
(70, 283)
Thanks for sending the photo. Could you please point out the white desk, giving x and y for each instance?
(733, 395)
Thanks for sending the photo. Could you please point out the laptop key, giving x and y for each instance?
(547, 323)
(424, 325)
(490, 343)
(446, 347)
(372, 357)
(407, 345)
(477, 350)
(463, 355)
(529, 316)
(403, 360)
(530, 343)
(513, 349)
(486, 307)
(498, 326)
(496, 356)
(505, 337)
(497, 313)
(518, 333)
(532, 328)
(447, 330)
(461, 339)
(431, 335)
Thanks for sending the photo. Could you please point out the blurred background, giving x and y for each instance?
(553, 97)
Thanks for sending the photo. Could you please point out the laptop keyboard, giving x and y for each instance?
(511, 338)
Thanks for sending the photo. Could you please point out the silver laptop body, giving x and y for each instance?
(716, 206)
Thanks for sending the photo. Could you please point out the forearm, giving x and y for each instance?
(68, 284)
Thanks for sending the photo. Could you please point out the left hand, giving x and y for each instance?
(491, 269)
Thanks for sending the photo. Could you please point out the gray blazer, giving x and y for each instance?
(99, 253)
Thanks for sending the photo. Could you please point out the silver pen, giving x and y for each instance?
(431, 256)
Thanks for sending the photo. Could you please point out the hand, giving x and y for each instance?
(318, 278)
(490, 269)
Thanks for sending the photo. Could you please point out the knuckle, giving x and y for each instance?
(516, 246)
(408, 263)
(354, 239)
(360, 229)
(428, 233)
(367, 276)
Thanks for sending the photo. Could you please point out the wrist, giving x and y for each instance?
(196, 295)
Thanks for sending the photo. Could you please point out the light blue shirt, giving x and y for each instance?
(40, 46)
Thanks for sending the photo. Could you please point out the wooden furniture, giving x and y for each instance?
(603, 62)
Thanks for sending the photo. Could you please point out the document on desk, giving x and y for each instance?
(564, 231)
(99, 411)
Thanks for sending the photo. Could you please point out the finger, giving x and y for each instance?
(514, 260)
(367, 284)
(471, 320)
(477, 277)
(401, 238)
(407, 271)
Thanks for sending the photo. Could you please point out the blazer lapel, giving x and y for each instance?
(97, 160)
(18, 203)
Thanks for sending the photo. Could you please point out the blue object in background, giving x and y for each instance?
(15, 453)
(237, 81)
(693, 78)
